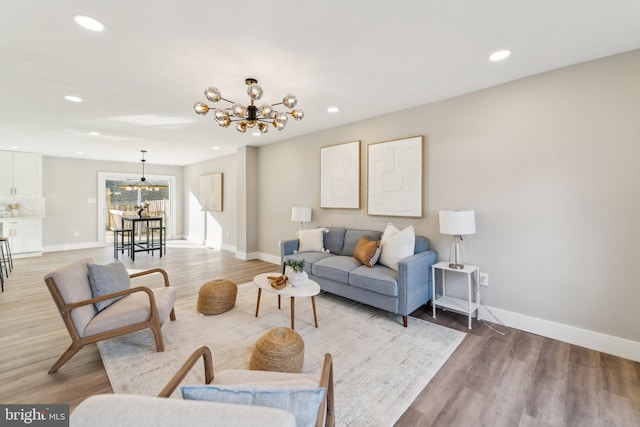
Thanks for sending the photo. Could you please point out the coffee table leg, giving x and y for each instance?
(313, 303)
(293, 305)
(279, 302)
(258, 303)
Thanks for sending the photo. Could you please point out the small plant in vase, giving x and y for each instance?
(143, 207)
(14, 209)
(295, 272)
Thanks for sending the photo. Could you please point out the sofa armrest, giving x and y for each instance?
(287, 247)
(414, 281)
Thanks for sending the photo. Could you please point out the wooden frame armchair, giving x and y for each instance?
(141, 308)
(326, 411)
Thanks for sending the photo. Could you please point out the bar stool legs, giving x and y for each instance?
(162, 243)
(121, 241)
(7, 256)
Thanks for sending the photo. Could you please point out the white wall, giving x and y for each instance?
(221, 226)
(68, 184)
(549, 163)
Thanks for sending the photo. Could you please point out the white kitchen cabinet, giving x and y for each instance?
(20, 174)
(25, 235)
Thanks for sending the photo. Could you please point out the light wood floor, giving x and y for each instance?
(518, 380)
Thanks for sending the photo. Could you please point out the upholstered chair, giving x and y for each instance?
(97, 302)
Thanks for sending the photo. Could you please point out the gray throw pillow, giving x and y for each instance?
(105, 279)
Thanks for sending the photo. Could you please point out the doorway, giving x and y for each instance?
(117, 197)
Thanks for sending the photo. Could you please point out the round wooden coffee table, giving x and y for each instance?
(309, 289)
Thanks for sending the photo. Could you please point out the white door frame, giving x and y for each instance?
(119, 176)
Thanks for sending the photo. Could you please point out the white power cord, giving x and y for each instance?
(499, 321)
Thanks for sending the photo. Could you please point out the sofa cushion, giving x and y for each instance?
(335, 268)
(311, 240)
(351, 238)
(309, 257)
(399, 246)
(303, 402)
(379, 279)
(334, 239)
(366, 250)
(106, 279)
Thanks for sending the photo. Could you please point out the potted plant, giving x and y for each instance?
(295, 272)
(143, 207)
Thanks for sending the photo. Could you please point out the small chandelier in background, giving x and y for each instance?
(250, 116)
(142, 184)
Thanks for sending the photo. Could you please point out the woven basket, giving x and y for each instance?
(217, 296)
(279, 349)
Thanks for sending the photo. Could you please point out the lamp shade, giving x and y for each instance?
(458, 222)
(300, 214)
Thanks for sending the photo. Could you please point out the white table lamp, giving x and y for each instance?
(457, 223)
(300, 215)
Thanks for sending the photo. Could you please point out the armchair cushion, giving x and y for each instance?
(302, 402)
(106, 279)
(134, 308)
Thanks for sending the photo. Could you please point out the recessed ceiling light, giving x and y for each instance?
(500, 55)
(88, 23)
(72, 98)
(13, 147)
(79, 153)
(333, 109)
(94, 133)
(256, 133)
(215, 148)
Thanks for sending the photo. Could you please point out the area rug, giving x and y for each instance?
(379, 366)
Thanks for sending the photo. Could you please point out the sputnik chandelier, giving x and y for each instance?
(250, 116)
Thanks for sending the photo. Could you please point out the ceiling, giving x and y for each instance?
(140, 77)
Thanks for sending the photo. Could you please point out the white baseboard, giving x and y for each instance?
(72, 246)
(269, 258)
(570, 334)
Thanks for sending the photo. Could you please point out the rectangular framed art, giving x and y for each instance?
(210, 192)
(394, 180)
(340, 176)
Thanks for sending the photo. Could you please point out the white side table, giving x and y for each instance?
(467, 307)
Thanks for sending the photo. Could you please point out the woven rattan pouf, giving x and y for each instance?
(279, 349)
(217, 296)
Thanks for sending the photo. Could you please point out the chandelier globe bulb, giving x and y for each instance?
(212, 94)
(297, 114)
(266, 111)
(289, 100)
(239, 110)
(201, 108)
(255, 92)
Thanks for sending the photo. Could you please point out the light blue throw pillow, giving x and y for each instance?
(105, 279)
(303, 403)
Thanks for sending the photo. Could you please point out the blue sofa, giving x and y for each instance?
(338, 272)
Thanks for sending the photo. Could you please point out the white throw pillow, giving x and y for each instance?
(398, 246)
(311, 240)
(389, 230)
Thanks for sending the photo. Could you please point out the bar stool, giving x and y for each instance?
(7, 252)
(4, 263)
(163, 239)
(121, 241)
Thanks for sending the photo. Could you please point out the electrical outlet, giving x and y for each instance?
(484, 279)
